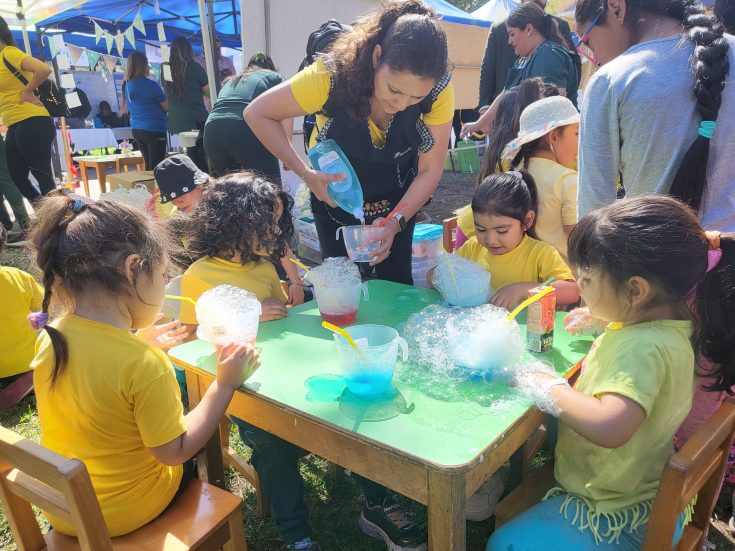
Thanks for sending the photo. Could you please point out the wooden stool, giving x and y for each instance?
(203, 517)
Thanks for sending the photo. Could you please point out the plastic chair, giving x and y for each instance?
(696, 470)
(203, 517)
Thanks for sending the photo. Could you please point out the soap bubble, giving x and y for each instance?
(432, 368)
(580, 322)
(461, 282)
(227, 314)
(526, 382)
(484, 342)
(338, 271)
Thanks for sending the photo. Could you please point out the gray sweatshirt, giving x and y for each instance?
(639, 119)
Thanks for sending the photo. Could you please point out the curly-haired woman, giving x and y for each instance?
(187, 90)
(383, 93)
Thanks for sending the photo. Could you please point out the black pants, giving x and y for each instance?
(396, 268)
(28, 149)
(152, 145)
(231, 145)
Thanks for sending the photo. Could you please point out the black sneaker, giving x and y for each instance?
(385, 521)
(304, 545)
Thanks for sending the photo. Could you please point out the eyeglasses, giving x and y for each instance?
(582, 40)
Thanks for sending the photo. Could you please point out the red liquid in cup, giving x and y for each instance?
(340, 319)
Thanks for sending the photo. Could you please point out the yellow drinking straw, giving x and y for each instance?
(342, 332)
(299, 263)
(531, 300)
(187, 299)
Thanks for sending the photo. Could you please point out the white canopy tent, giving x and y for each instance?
(25, 12)
(495, 10)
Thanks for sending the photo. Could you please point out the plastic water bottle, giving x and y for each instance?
(328, 157)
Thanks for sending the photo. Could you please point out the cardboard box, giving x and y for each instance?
(131, 179)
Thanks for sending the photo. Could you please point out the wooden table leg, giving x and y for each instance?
(102, 177)
(447, 518)
(85, 176)
(210, 463)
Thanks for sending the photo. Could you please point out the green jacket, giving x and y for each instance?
(499, 58)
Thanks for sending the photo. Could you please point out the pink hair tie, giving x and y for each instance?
(38, 320)
(713, 258)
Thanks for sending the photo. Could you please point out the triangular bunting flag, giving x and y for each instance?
(120, 42)
(75, 52)
(98, 32)
(55, 44)
(109, 39)
(130, 35)
(103, 71)
(110, 62)
(138, 24)
(93, 58)
(161, 33)
(156, 7)
(123, 63)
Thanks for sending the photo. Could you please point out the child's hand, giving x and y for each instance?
(296, 293)
(235, 364)
(580, 322)
(273, 309)
(163, 336)
(509, 296)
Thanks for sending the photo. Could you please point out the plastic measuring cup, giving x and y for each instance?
(357, 238)
(369, 371)
(484, 350)
(227, 314)
(338, 305)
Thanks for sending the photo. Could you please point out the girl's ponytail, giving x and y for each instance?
(714, 312)
(711, 66)
(52, 221)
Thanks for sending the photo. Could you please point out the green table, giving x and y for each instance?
(435, 449)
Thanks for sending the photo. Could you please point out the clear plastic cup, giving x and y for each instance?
(369, 372)
(227, 314)
(338, 305)
(357, 238)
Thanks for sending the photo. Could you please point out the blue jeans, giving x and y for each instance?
(544, 527)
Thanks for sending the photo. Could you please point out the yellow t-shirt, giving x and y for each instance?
(311, 87)
(116, 398)
(557, 201)
(21, 295)
(653, 365)
(466, 222)
(531, 261)
(11, 110)
(260, 278)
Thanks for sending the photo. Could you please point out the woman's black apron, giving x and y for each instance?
(385, 173)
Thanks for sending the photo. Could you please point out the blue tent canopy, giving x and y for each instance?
(447, 12)
(180, 18)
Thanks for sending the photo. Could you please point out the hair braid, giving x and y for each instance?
(711, 67)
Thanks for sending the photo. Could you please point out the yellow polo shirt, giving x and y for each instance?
(311, 88)
(11, 109)
(531, 261)
(116, 398)
(20, 296)
(260, 278)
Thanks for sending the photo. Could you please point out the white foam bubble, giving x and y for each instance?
(227, 314)
(461, 282)
(337, 271)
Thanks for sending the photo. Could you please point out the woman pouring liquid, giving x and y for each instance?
(383, 93)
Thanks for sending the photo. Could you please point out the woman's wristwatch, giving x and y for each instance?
(398, 217)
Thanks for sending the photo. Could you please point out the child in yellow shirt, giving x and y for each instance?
(104, 396)
(242, 222)
(640, 261)
(21, 295)
(504, 208)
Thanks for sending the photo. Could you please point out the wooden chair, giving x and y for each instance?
(449, 233)
(203, 517)
(697, 469)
